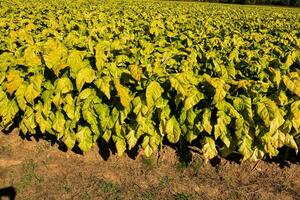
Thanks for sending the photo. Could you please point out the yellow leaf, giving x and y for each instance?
(153, 93)
(245, 147)
(193, 98)
(179, 86)
(64, 85)
(290, 142)
(34, 88)
(123, 93)
(14, 81)
(173, 130)
(31, 57)
(209, 148)
(295, 109)
(85, 75)
(292, 85)
(276, 76)
(135, 72)
(120, 144)
(103, 84)
(206, 121)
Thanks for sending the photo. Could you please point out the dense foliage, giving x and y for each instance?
(222, 78)
(259, 2)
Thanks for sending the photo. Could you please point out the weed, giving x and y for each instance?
(183, 196)
(67, 186)
(148, 195)
(284, 186)
(108, 187)
(42, 147)
(182, 165)
(6, 149)
(218, 168)
(29, 176)
(150, 162)
(196, 165)
(164, 182)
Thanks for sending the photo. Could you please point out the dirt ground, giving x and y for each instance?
(41, 170)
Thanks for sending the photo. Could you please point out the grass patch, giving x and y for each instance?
(43, 146)
(183, 196)
(6, 149)
(150, 162)
(108, 186)
(67, 186)
(29, 176)
(182, 165)
(164, 182)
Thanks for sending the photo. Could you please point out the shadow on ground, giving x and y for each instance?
(8, 192)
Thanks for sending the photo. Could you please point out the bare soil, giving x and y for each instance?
(41, 170)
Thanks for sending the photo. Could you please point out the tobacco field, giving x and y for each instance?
(219, 78)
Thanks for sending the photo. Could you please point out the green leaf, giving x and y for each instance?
(69, 106)
(131, 139)
(264, 113)
(103, 84)
(295, 109)
(9, 115)
(120, 144)
(190, 136)
(179, 84)
(153, 93)
(268, 111)
(123, 93)
(245, 147)
(220, 87)
(77, 62)
(59, 122)
(107, 135)
(276, 76)
(147, 148)
(84, 138)
(33, 90)
(173, 130)
(85, 75)
(292, 85)
(69, 140)
(206, 123)
(135, 72)
(44, 123)
(101, 56)
(257, 154)
(148, 151)
(28, 124)
(290, 142)
(55, 54)
(221, 127)
(193, 98)
(208, 148)
(63, 85)
(20, 96)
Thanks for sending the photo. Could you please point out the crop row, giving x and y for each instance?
(222, 78)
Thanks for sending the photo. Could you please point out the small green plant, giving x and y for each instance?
(183, 196)
(182, 165)
(67, 186)
(150, 162)
(108, 186)
(6, 148)
(197, 164)
(164, 182)
(29, 176)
